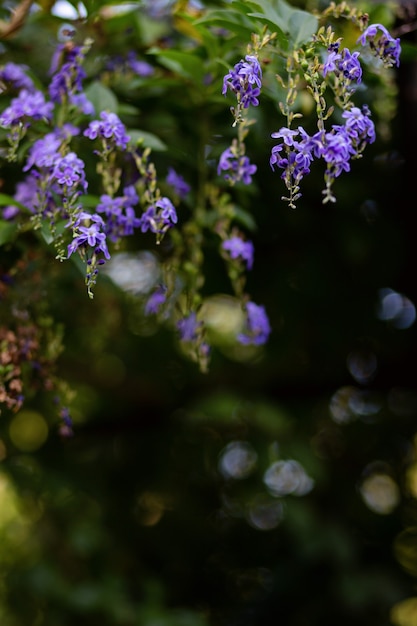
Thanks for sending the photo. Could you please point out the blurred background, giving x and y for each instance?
(279, 487)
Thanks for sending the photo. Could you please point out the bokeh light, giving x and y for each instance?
(349, 403)
(28, 431)
(237, 460)
(134, 273)
(379, 490)
(287, 477)
(264, 513)
(362, 365)
(404, 613)
(395, 308)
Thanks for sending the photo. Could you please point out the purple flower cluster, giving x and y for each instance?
(257, 327)
(382, 44)
(27, 106)
(343, 63)
(14, 76)
(295, 153)
(68, 171)
(110, 129)
(238, 248)
(120, 214)
(236, 168)
(67, 78)
(159, 217)
(55, 174)
(87, 231)
(55, 178)
(245, 80)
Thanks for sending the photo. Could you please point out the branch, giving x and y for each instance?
(17, 20)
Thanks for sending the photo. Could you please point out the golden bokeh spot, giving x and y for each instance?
(411, 480)
(405, 548)
(404, 613)
(28, 431)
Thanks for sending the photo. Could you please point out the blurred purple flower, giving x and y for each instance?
(27, 105)
(177, 182)
(236, 169)
(156, 300)
(236, 247)
(44, 152)
(110, 127)
(67, 81)
(15, 75)
(188, 327)
(257, 328)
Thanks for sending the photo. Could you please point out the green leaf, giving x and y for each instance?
(5, 200)
(183, 63)
(150, 140)
(303, 26)
(297, 24)
(102, 98)
(89, 201)
(232, 21)
(7, 231)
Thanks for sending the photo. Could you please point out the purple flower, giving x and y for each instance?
(257, 328)
(141, 68)
(9, 212)
(110, 127)
(159, 217)
(67, 81)
(296, 162)
(236, 247)
(26, 193)
(359, 127)
(237, 169)
(331, 62)
(382, 44)
(44, 152)
(130, 62)
(286, 134)
(349, 66)
(245, 79)
(89, 235)
(15, 75)
(344, 63)
(110, 206)
(336, 149)
(156, 300)
(129, 221)
(69, 171)
(177, 182)
(121, 217)
(27, 105)
(188, 327)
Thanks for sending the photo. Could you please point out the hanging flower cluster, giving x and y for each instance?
(337, 146)
(57, 133)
